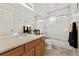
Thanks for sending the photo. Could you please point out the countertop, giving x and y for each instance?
(15, 41)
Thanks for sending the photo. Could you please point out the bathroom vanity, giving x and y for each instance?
(32, 45)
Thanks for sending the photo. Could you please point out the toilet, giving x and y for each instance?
(48, 43)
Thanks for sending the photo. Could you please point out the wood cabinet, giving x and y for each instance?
(29, 53)
(38, 45)
(33, 48)
(29, 46)
(40, 48)
(14, 52)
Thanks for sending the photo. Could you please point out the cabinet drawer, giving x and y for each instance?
(14, 52)
(29, 53)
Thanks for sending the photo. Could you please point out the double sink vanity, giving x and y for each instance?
(30, 45)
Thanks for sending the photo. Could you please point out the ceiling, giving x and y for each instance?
(55, 6)
(43, 9)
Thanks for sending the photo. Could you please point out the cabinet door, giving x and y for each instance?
(29, 53)
(39, 50)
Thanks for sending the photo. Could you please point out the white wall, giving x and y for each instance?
(13, 17)
(40, 25)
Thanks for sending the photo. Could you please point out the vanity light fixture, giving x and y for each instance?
(25, 5)
(64, 16)
(52, 19)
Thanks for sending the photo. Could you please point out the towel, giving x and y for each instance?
(73, 40)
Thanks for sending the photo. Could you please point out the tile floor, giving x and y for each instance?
(56, 51)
